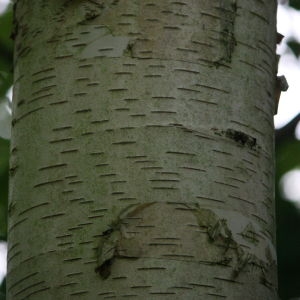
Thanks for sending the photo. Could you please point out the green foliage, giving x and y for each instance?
(287, 214)
(3, 290)
(4, 154)
(6, 52)
(293, 44)
(287, 156)
(295, 4)
(288, 248)
(6, 65)
(295, 47)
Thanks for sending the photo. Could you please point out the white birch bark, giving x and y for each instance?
(142, 150)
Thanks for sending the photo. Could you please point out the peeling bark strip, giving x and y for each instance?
(111, 241)
(217, 45)
(142, 149)
(134, 235)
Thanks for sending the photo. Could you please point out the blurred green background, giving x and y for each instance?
(287, 159)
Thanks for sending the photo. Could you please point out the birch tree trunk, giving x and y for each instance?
(142, 150)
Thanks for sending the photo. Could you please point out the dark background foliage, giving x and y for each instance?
(287, 158)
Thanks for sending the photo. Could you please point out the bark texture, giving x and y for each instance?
(142, 150)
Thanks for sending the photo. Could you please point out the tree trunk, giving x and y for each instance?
(142, 150)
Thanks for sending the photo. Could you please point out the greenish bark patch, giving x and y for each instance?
(228, 10)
